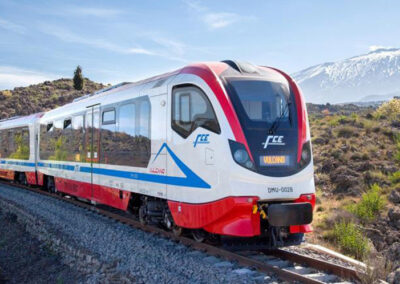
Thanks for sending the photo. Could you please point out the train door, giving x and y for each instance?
(92, 141)
(193, 140)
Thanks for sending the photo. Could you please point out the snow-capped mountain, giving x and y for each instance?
(372, 75)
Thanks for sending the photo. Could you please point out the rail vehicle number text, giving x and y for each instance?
(280, 189)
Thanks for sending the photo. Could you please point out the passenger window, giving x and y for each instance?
(49, 127)
(129, 144)
(192, 109)
(77, 144)
(67, 124)
(127, 118)
(109, 117)
(144, 119)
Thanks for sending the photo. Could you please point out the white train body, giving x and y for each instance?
(18, 138)
(181, 137)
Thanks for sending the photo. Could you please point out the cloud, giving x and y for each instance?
(171, 50)
(220, 20)
(96, 12)
(175, 47)
(68, 36)
(12, 26)
(215, 20)
(373, 48)
(11, 77)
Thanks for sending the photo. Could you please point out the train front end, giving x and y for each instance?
(274, 166)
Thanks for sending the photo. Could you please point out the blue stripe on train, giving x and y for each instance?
(15, 163)
(190, 179)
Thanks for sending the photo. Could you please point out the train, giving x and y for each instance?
(220, 150)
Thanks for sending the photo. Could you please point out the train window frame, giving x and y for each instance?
(210, 108)
(49, 127)
(74, 116)
(67, 126)
(108, 122)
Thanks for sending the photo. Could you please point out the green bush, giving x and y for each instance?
(390, 109)
(351, 239)
(336, 119)
(397, 141)
(346, 132)
(371, 203)
(395, 177)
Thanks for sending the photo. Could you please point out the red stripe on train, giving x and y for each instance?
(102, 194)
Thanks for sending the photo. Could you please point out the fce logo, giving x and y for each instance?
(201, 139)
(273, 140)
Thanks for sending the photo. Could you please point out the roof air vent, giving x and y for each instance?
(242, 67)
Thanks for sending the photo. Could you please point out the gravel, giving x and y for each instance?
(107, 251)
(23, 258)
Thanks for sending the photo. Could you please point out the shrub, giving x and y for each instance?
(397, 142)
(6, 93)
(346, 132)
(390, 109)
(395, 177)
(351, 239)
(371, 203)
(354, 116)
(336, 120)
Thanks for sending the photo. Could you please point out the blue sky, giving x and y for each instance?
(117, 41)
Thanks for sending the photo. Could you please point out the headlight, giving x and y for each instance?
(240, 155)
(305, 154)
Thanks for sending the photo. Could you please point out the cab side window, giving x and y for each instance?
(192, 109)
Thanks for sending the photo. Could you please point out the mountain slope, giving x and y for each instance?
(42, 97)
(374, 74)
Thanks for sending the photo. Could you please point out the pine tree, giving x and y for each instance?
(78, 78)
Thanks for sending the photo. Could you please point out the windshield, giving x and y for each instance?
(260, 101)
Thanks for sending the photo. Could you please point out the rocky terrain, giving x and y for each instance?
(42, 97)
(357, 157)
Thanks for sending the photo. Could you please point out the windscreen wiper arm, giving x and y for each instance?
(277, 121)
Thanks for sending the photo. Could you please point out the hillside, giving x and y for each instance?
(42, 97)
(371, 76)
(357, 158)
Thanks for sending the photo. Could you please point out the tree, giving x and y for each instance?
(78, 78)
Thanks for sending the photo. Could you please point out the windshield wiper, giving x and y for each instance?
(277, 121)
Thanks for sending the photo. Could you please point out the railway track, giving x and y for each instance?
(285, 265)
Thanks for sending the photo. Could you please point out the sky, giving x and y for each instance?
(117, 41)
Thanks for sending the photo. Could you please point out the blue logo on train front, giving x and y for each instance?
(201, 139)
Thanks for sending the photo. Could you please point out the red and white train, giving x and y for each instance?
(219, 148)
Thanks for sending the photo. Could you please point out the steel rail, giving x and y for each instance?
(336, 269)
(343, 272)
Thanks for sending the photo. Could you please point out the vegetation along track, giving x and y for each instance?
(285, 265)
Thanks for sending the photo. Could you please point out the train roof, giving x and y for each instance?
(18, 121)
(154, 85)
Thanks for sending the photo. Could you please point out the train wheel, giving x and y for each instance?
(51, 187)
(22, 179)
(177, 231)
(142, 214)
(170, 224)
(199, 235)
